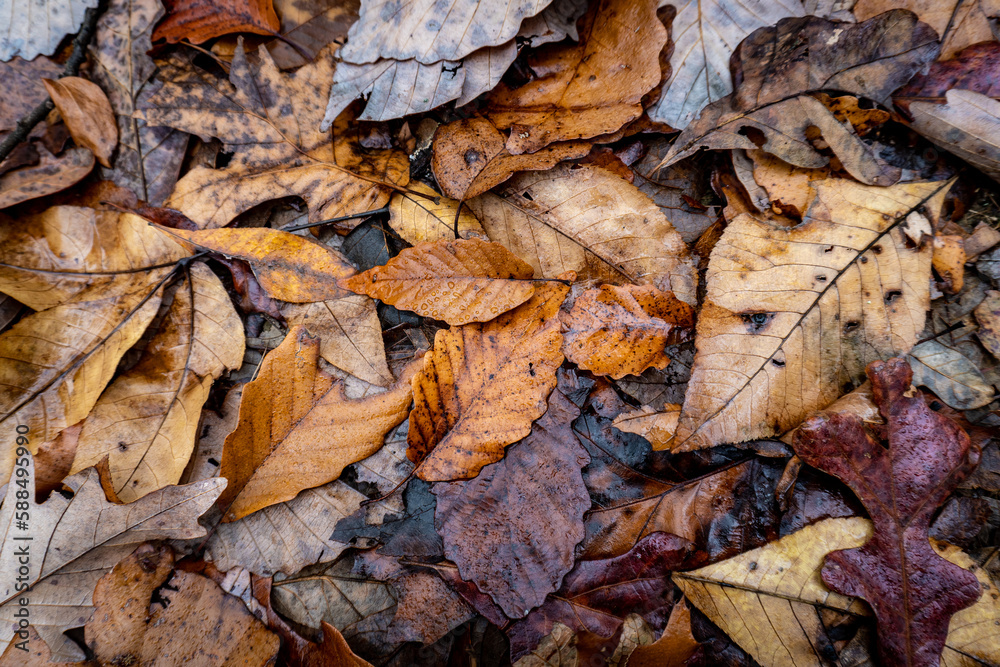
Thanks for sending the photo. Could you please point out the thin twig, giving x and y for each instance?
(76, 58)
(363, 214)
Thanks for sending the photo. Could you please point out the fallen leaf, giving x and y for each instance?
(278, 151)
(952, 376)
(705, 34)
(37, 29)
(297, 430)
(78, 540)
(896, 571)
(198, 21)
(968, 70)
(674, 646)
(145, 422)
(406, 531)
(458, 281)
(586, 89)
(587, 220)
(87, 113)
(490, 523)
(22, 81)
(964, 127)
(419, 219)
(470, 157)
(870, 59)
(310, 25)
(621, 331)
(949, 261)
(290, 267)
(958, 23)
(657, 427)
(350, 336)
(988, 316)
(52, 174)
(464, 421)
(557, 649)
(792, 315)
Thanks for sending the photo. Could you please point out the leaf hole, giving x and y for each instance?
(851, 326)
(753, 134)
(892, 295)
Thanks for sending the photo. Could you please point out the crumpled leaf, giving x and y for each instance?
(87, 113)
(965, 127)
(270, 122)
(586, 89)
(705, 34)
(418, 219)
(959, 23)
(776, 64)
(290, 267)
(490, 524)
(458, 281)
(52, 174)
(896, 571)
(145, 422)
(33, 29)
(198, 21)
(792, 315)
(587, 220)
(621, 331)
(78, 540)
(297, 429)
(470, 157)
(952, 376)
(482, 385)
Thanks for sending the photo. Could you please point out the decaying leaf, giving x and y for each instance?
(952, 376)
(656, 427)
(145, 422)
(32, 29)
(482, 385)
(297, 430)
(587, 220)
(620, 331)
(310, 25)
(270, 122)
(470, 157)
(968, 70)
(22, 81)
(792, 315)
(557, 649)
(896, 571)
(419, 219)
(958, 22)
(490, 523)
(458, 281)
(673, 647)
(586, 89)
(964, 126)
(988, 316)
(198, 21)
(87, 113)
(52, 174)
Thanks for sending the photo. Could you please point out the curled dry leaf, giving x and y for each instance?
(52, 174)
(586, 89)
(965, 126)
(290, 267)
(433, 218)
(462, 421)
(798, 55)
(621, 331)
(198, 21)
(87, 113)
(145, 422)
(297, 430)
(791, 315)
(270, 122)
(459, 281)
(490, 524)
(897, 571)
(587, 220)
(470, 157)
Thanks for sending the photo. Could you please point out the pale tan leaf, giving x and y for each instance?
(459, 281)
(656, 427)
(31, 29)
(418, 219)
(792, 315)
(966, 126)
(87, 113)
(952, 376)
(52, 174)
(145, 422)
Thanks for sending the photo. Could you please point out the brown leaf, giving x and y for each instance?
(462, 421)
(35, 653)
(587, 220)
(87, 113)
(960, 23)
(297, 430)
(988, 315)
(792, 315)
(459, 281)
(968, 70)
(198, 21)
(310, 25)
(621, 331)
(557, 649)
(270, 122)
(952, 376)
(50, 175)
(949, 261)
(290, 267)
(965, 126)
(656, 427)
(490, 524)
(896, 571)
(470, 157)
(586, 89)
(418, 219)
(674, 646)
(21, 81)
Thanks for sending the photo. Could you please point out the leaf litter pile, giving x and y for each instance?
(537, 332)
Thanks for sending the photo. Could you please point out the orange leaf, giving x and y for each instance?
(200, 20)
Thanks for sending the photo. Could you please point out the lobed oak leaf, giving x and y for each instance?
(419, 219)
(198, 21)
(792, 315)
(490, 524)
(621, 331)
(270, 122)
(297, 429)
(458, 281)
(290, 267)
(87, 113)
(588, 89)
(587, 220)
(483, 385)
(913, 591)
